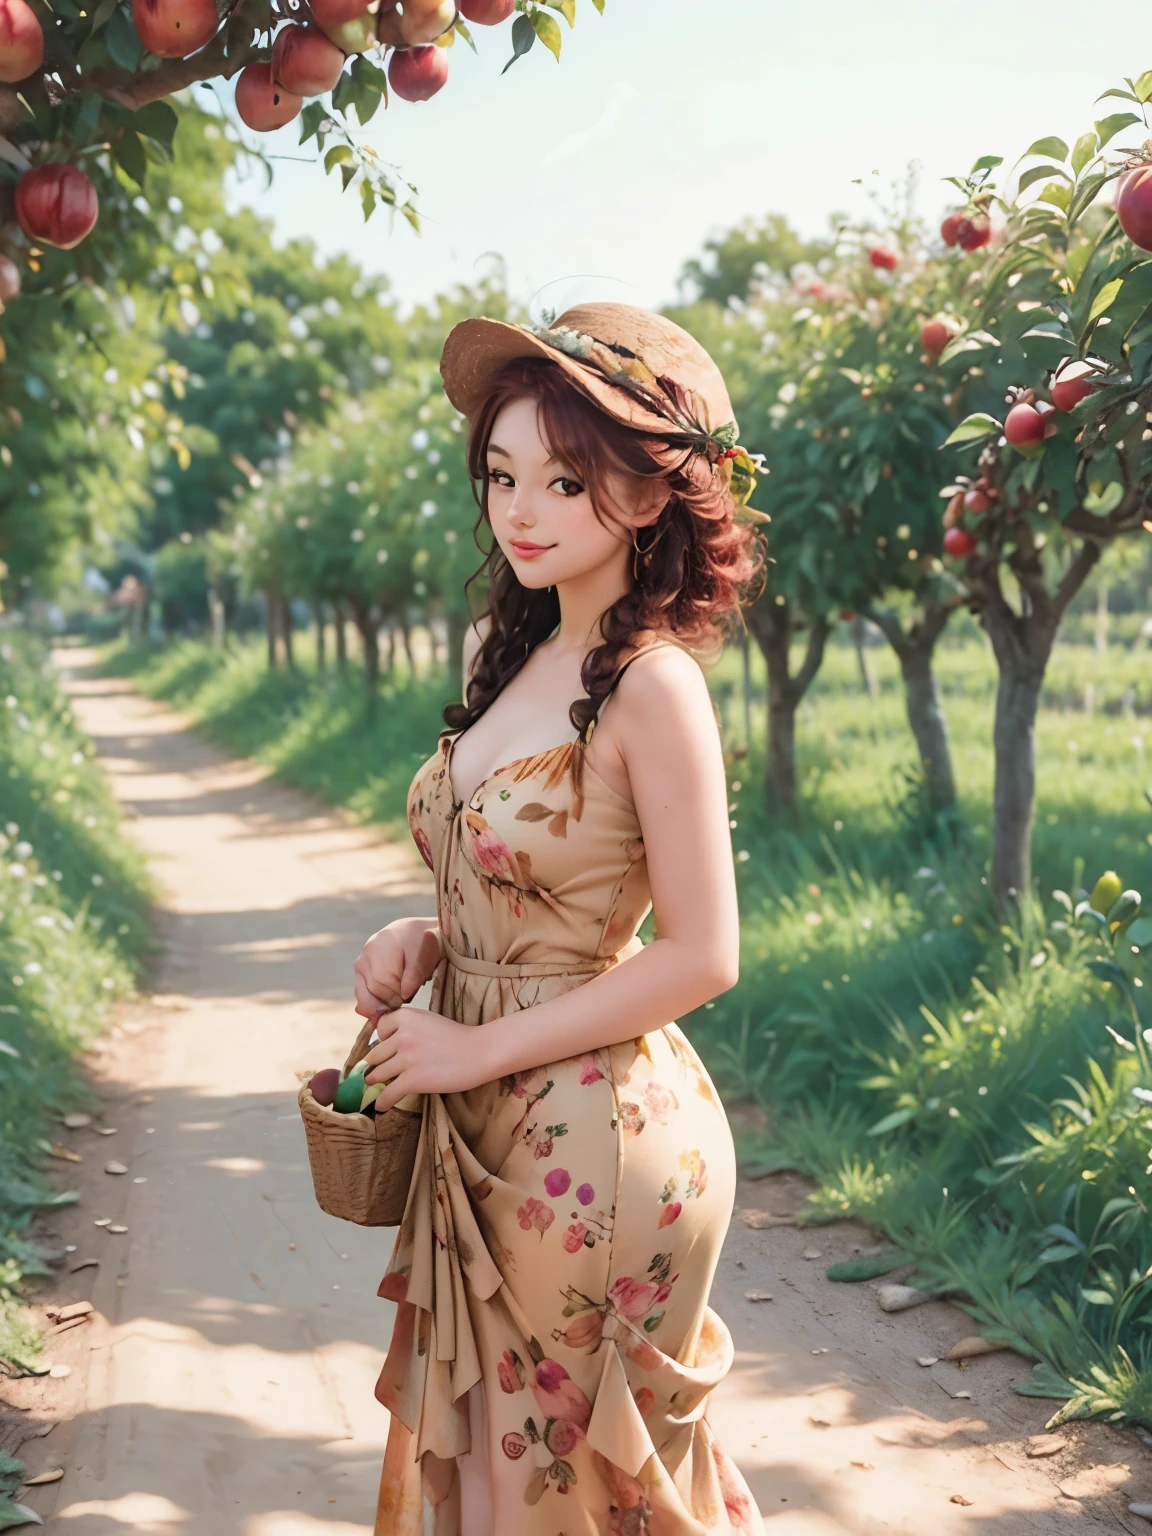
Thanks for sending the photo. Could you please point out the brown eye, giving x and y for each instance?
(569, 487)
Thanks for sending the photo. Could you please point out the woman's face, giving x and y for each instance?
(541, 511)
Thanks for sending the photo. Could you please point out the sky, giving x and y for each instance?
(667, 121)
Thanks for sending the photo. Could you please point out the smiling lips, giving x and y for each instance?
(528, 551)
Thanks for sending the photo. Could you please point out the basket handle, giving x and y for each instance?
(361, 1047)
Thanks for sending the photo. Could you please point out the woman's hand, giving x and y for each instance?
(395, 963)
(421, 1052)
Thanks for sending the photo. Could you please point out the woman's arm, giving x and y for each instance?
(663, 727)
(395, 963)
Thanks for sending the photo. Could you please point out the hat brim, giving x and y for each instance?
(476, 351)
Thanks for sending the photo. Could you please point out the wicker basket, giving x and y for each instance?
(361, 1164)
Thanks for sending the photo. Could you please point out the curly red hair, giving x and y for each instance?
(693, 569)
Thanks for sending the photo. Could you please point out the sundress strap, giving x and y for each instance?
(474, 966)
(586, 734)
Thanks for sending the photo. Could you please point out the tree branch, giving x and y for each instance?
(889, 626)
(213, 62)
(818, 633)
(1075, 576)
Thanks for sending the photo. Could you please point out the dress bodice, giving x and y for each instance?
(542, 864)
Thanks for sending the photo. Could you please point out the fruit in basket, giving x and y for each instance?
(349, 1094)
(324, 1084)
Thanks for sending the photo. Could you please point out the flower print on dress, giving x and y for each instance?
(534, 1213)
(670, 1207)
(558, 1396)
(632, 1118)
(589, 1070)
(696, 1169)
(660, 1102)
(510, 1371)
(420, 838)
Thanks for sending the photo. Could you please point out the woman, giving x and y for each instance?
(553, 1349)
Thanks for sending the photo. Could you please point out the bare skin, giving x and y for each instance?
(656, 742)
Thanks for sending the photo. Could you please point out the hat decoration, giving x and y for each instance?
(663, 397)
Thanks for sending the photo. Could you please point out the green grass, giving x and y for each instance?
(963, 1086)
(73, 932)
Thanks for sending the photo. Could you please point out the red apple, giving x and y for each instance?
(305, 62)
(334, 13)
(172, 29)
(56, 205)
(950, 228)
(416, 74)
(487, 13)
(1072, 382)
(1134, 206)
(935, 334)
(9, 280)
(1024, 426)
(884, 258)
(261, 103)
(847, 614)
(324, 1084)
(959, 542)
(21, 41)
(976, 502)
(423, 21)
(974, 232)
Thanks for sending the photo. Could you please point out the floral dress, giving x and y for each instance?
(564, 1223)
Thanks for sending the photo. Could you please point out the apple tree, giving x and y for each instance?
(1054, 379)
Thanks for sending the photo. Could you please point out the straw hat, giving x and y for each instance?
(638, 367)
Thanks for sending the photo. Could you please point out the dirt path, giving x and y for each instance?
(226, 1384)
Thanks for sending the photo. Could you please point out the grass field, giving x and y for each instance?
(73, 933)
(964, 1086)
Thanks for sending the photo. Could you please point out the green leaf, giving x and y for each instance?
(1140, 932)
(123, 41)
(1038, 173)
(1084, 193)
(972, 428)
(896, 1118)
(986, 163)
(567, 9)
(339, 154)
(367, 200)
(158, 120)
(1095, 1296)
(548, 33)
(599, 4)
(101, 16)
(1108, 970)
(1143, 85)
(364, 72)
(129, 154)
(867, 1268)
(1056, 194)
(1083, 151)
(523, 36)
(12, 1515)
(1116, 91)
(1108, 127)
(462, 29)
(347, 172)
(1051, 146)
(310, 119)
(1104, 298)
(344, 93)
(1059, 1252)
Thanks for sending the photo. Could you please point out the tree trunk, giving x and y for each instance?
(389, 654)
(915, 647)
(286, 631)
(368, 626)
(321, 647)
(270, 620)
(929, 727)
(217, 617)
(1014, 738)
(406, 641)
(774, 624)
(746, 687)
(457, 627)
(1102, 619)
(339, 621)
(867, 681)
(1022, 644)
